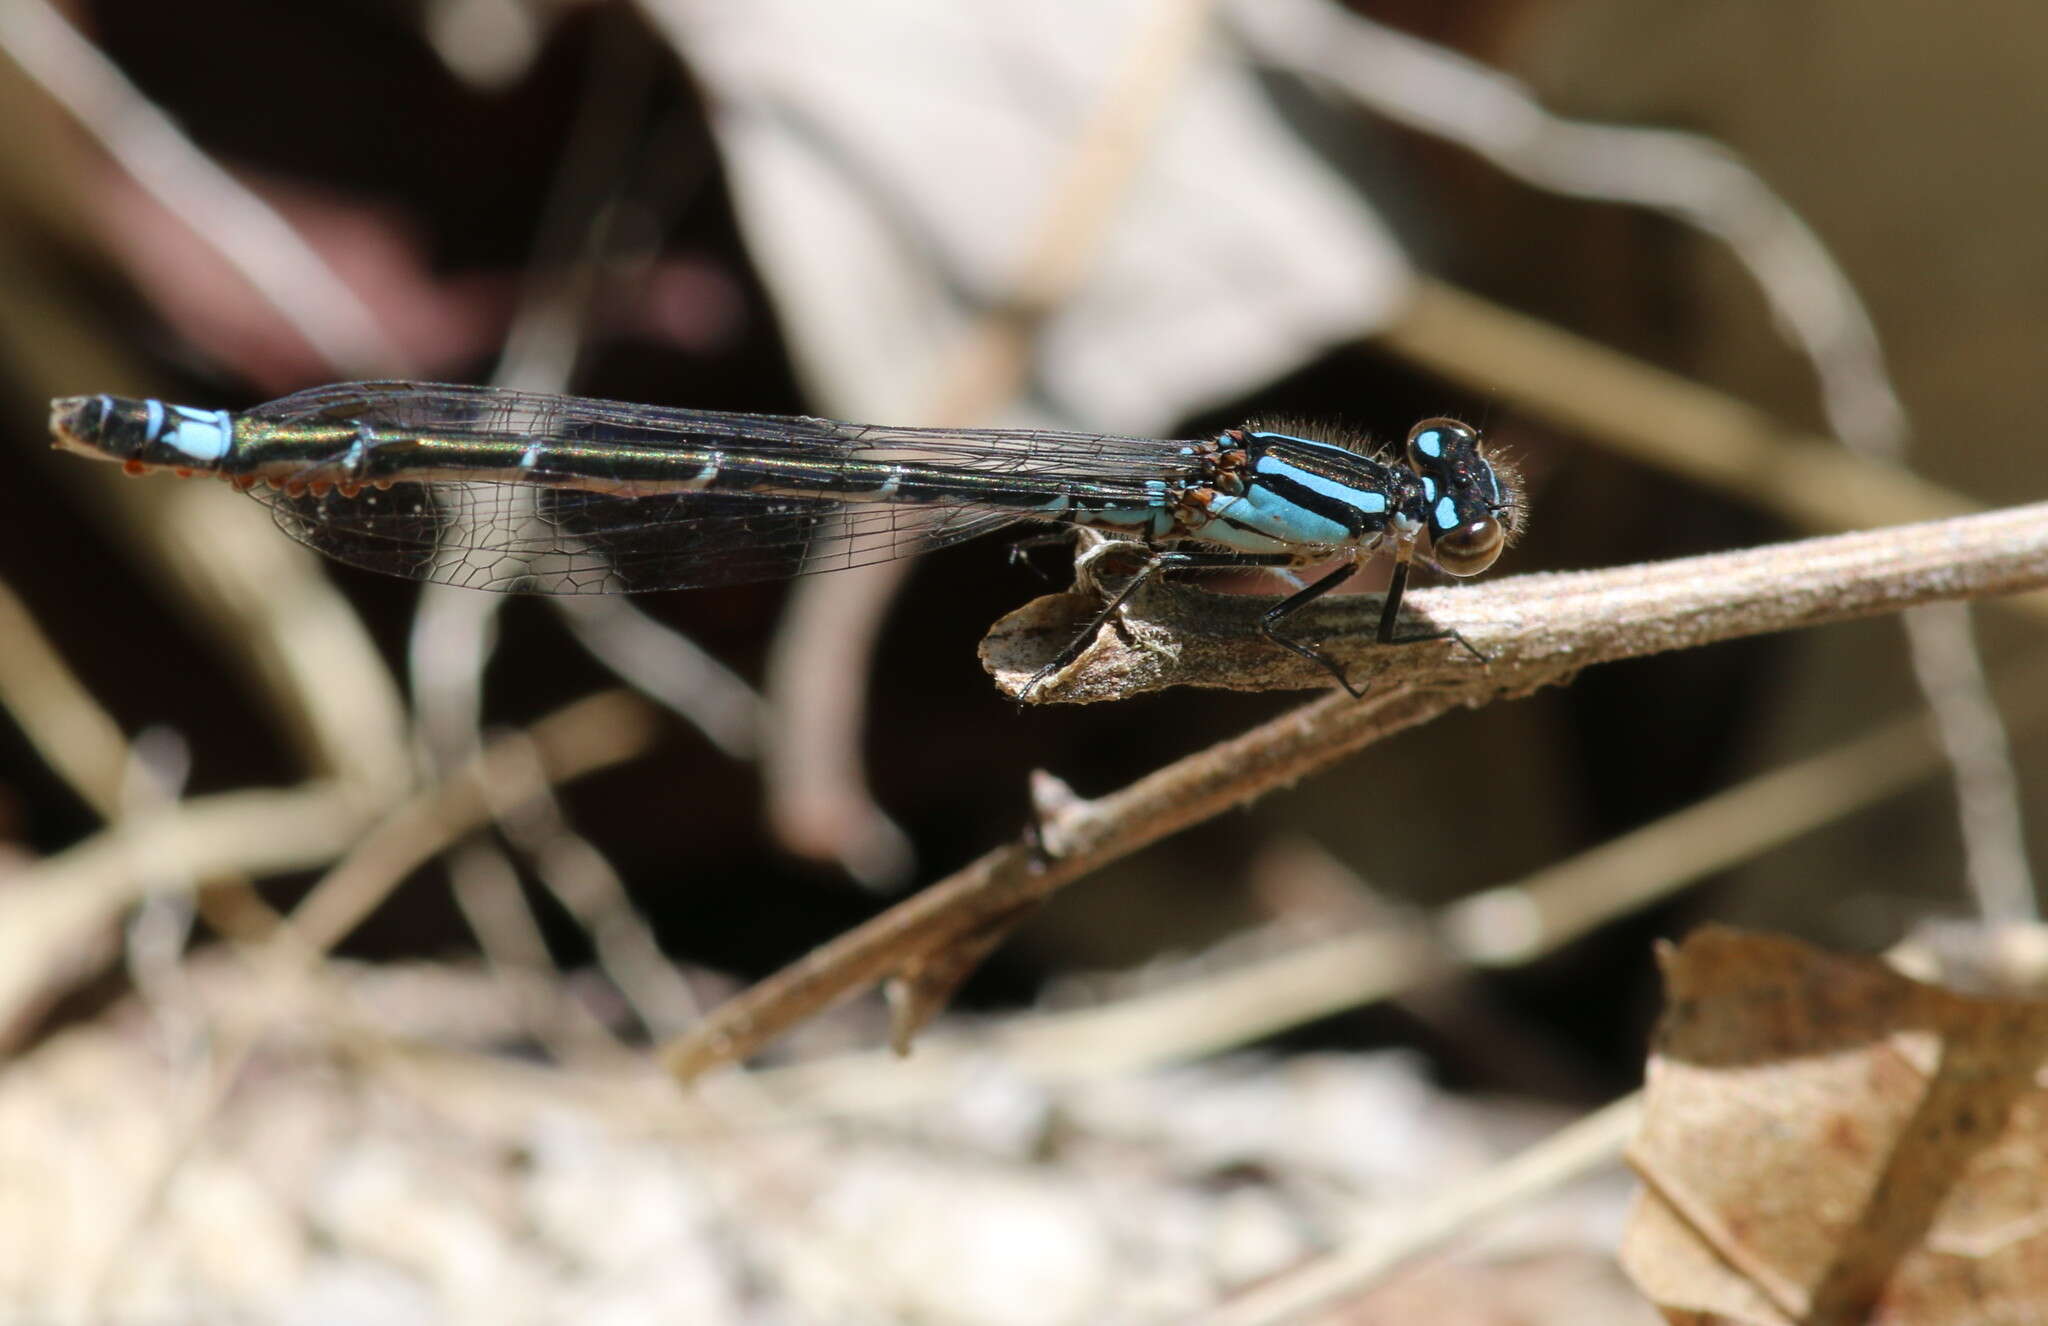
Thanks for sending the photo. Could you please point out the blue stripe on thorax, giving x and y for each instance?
(1371, 501)
(1261, 520)
(1286, 506)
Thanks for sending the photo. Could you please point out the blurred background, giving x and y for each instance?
(1613, 235)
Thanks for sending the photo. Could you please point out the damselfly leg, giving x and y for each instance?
(1269, 624)
(1022, 547)
(1160, 563)
(1390, 615)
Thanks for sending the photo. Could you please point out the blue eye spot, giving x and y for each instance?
(1446, 514)
(1430, 443)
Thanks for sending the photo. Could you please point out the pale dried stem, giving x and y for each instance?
(486, 888)
(77, 738)
(819, 801)
(1580, 1148)
(1655, 416)
(589, 889)
(244, 231)
(50, 913)
(592, 733)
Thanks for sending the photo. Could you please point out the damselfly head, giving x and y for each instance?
(1470, 502)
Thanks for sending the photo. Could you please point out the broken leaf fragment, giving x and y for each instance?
(1826, 1140)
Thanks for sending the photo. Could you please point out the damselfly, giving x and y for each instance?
(511, 490)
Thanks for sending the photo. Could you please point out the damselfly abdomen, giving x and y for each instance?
(517, 491)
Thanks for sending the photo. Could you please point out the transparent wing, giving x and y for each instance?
(517, 538)
(536, 537)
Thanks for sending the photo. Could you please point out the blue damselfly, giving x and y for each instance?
(517, 491)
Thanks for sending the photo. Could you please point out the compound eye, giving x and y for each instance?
(1470, 548)
(1434, 443)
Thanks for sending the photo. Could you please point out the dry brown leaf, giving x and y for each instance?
(1827, 1141)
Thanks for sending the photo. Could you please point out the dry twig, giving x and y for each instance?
(1538, 630)
(1224, 1005)
(1532, 628)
